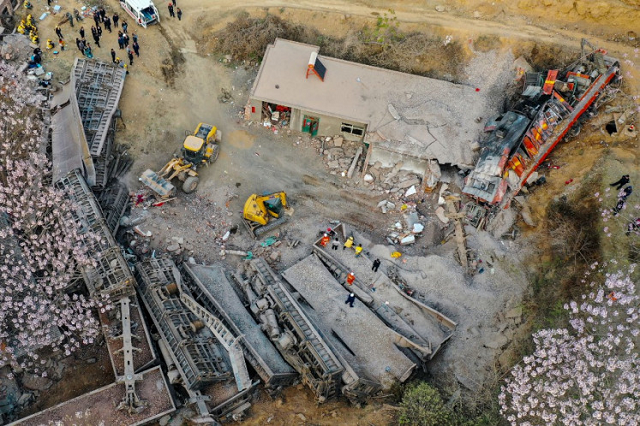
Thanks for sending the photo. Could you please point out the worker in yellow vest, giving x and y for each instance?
(348, 243)
(359, 250)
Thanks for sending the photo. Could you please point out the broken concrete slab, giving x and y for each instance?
(354, 163)
(411, 191)
(35, 382)
(514, 313)
(495, 341)
(440, 214)
(407, 240)
(408, 183)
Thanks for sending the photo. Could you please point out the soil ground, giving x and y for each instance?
(176, 81)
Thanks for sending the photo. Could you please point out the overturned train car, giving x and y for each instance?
(551, 107)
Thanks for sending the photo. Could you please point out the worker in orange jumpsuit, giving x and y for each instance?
(351, 278)
(325, 240)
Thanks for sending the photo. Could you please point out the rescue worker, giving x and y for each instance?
(325, 239)
(359, 250)
(27, 4)
(620, 182)
(376, 265)
(351, 278)
(49, 44)
(335, 244)
(350, 300)
(348, 243)
(61, 43)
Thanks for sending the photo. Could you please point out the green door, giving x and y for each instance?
(310, 125)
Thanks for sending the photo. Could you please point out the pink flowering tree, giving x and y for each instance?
(588, 374)
(40, 248)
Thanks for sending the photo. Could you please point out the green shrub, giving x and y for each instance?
(423, 406)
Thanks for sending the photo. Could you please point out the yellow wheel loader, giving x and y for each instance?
(199, 148)
(262, 213)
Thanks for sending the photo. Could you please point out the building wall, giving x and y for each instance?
(327, 126)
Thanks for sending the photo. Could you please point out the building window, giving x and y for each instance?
(350, 128)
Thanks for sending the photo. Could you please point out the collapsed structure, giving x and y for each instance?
(552, 105)
(401, 117)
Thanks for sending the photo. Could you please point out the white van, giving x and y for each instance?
(144, 12)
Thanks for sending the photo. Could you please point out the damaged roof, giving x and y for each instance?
(404, 113)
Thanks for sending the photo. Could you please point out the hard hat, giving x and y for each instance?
(351, 294)
(351, 273)
(325, 234)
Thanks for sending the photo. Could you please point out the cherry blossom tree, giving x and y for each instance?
(588, 374)
(40, 248)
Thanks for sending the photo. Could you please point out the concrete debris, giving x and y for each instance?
(394, 112)
(495, 341)
(369, 178)
(173, 248)
(527, 216)
(417, 228)
(354, 163)
(441, 215)
(36, 382)
(440, 8)
(514, 313)
(408, 183)
(141, 232)
(409, 239)
(410, 191)
(337, 142)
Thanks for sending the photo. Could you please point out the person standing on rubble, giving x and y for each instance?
(620, 182)
(351, 278)
(359, 250)
(179, 13)
(81, 32)
(113, 56)
(348, 243)
(335, 244)
(115, 18)
(376, 265)
(171, 13)
(107, 23)
(350, 300)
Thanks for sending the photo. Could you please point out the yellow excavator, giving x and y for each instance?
(262, 213)
(199, 148)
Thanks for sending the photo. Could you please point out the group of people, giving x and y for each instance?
(177, 12)
(349, 243)
(624, 193)
(28, 28)
(125, 42)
